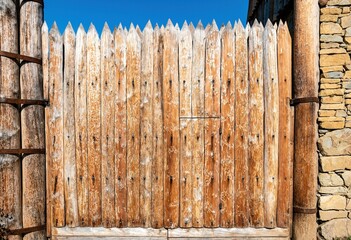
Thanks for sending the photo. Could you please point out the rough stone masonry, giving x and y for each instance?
(334, 118)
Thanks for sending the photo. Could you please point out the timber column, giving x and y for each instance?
(306, 78)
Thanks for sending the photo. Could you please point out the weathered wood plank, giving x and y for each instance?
(198, 72)
(241, 217)
(157, 128)
(171, 126)
(212, 71)
(186, 165)
(94, 126)
(69, 146)
(10, 167)
(32, 120)
(227, 126)
(185, 65)
(271, 131)
(80, 92)
(256, 124)
(108, 82)
(55, 124)
(198, 103)
(46, 85)
(212, 128)
(284, 208)
(146, 125)
(121, 127)
(133, 126)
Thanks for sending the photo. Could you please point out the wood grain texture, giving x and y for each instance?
(69, 146)
(271, 131)
(256, 124)
(198, 103)
(241, 217)
(81, 124)
(55, 124)
(94, 126)
(157, 129)
(121, 127)
(108, 86)
(171, 126)
(146, 125)
(185, 66)
(227, 126)
(32, 120)
(284, 208)
(10, 167)
(133, 126)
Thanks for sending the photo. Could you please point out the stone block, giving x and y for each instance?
(329, 86)
(346, 22)
(333, 99)
(326, 113)
(330, 179)
(346, 10)
(332, 125)
(347, 75)
(332, 202)
(331, 92)
(340, 113)
(333, 190)
(329, 18)
(332, 51)
(348, 124)
(332, 106)
(331, 119)
(348, 206)
(330, 28)
(346, 176)
(336, 143)
(330, 80)
(335, 163)
(331, 38)
(333, 75)
(331, 10)
(334, 60)
(336, 229)
(329, 45)
(329, 215)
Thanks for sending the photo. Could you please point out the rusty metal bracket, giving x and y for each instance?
(305, 210)
(296, 101)
(21, 153)
(23, 103)
(37, 1)
(24, 231)
(18, 57)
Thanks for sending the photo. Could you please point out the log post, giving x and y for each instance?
(306, 77)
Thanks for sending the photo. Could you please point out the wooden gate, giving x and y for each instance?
(169, 128)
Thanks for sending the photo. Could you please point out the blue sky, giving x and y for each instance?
(140, 11)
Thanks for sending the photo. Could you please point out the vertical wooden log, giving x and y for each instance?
(121, 128)
(55, 124)
(146, 125)
(185, 65)
(157, 129)
(271, 131)
(81, 111)
(32, 118)
(306, 79)
(171, 126)
(133, 126)
(108, 82)
(212, 128)
(241, 217)
(198, 103)
(227, 126)
(284, 208)
(94, 126)
(46, 85)
(69, 146)
(10, 166)
(256, 124)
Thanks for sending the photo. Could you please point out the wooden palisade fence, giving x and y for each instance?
(168, 127)
(22, 125)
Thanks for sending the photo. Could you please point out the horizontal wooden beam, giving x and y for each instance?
(134, 233)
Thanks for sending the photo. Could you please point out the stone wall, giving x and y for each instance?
(334, 192)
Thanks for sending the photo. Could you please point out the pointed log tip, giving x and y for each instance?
(44, 26)
(169, 23)
(191, 25)
(269, 24)
(156, 28)
(200, 26)
(131, 27)
(54, 29)
(185, 27)
(239, 24)
(229, 25)
(120, 27)
(148, 26)
(106, 27)
(92, 28)
(69, 29)
(214, 25)
(256, 23)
